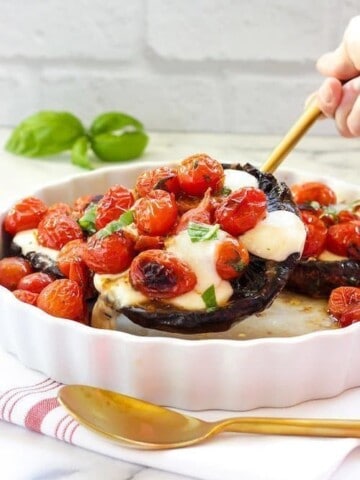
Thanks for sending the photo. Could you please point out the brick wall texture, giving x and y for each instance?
(235, 66)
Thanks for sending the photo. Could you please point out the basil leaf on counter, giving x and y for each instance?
(199, 232)
(87, 221)
(80, 153)
(124, 220)
(45, 133)
(112, 122)
(209, 298)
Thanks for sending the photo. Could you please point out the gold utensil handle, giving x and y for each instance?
(300, 127)
(310, 427)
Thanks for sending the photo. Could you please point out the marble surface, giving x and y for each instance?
(26, 455)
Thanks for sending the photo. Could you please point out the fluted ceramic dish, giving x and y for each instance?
(286, 355)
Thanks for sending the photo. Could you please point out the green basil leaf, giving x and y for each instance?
(199, 232)
(125, 219)
(45, 133)
(80, 155)
(209, 298)
(225, 191)
(87, 221)
(112, 122)
(120, 147)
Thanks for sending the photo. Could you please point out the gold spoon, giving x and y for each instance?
(139, 424)
(292, 137)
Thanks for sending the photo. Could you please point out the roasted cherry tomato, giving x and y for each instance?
(25, 215)
(200, 172)
(202, 213)
(35, 282)
(59, 207)
(116, 201)
(241, 210)
(110, 254)
(161, 178)
(63, 298)
(148, 242)
(313, 192)
(80, 205)
(344, 239)
(345, 216)
(12, 270)
(156, 213)
(71, 263)
(232, 259)
(315, 235)
(57, 229)
(350, 315)
(341, 298)
(160, 274)
(26, 296)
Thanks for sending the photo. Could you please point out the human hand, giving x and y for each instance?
(342, 102)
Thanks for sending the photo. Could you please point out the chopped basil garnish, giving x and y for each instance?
(125, 219)
(199, 232)
(87, 221)
(209, 298)
(225, 191)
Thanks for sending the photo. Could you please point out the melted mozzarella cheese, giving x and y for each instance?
(118, 290)
(327, 256)
(276, 237)
(28, 242)
(236, 179)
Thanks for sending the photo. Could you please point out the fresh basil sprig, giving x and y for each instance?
(124, 220)
(199, 232)
(87, 221)
(209, 298)
(112, 137)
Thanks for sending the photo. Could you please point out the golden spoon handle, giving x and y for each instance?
(310, 427)
(300, 127)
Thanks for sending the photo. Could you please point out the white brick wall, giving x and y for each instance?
(191, 65)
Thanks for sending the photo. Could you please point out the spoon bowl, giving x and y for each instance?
(140, 424)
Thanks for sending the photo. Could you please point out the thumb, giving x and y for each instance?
(337, 64)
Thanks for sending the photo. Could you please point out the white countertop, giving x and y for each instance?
(26, 455)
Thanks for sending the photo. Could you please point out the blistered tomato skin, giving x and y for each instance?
(62, 298)
(200, 172)
(26, 296)
(313, 192)
(12, 270)
(116, 200)
(25, 215)
(162, 178)
(159, 274)
(315, 235)
(350, 315)
(241, 210)
(341, 298)
(35, 282)
(202, 213)
(55, 230)
(344, 239)
(110, 254)
(232, 259)
(156, 213)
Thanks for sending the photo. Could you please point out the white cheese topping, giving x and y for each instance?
(327, 256)
(28, 242)
(118, 290)
(236, 179)
(280, 234)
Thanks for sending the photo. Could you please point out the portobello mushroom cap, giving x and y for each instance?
(316, 278)
(253, 292)
(39, 261)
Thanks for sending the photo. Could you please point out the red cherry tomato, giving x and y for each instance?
(156, 213)
(350, 315)
(241, 210)
(344, 239)
(35, 282)
(200, 172)
(59, 207)
(315, 235)
(71, 263)
(25, 215)
(341, 298)
(162, 178)
(202, 213)
(147, 242)
(232, 259)
(57, 229)
(26, 296)
(110, 254)
(62, 298)
(313, 192)
(345, 216)
(80, 205)
(116, 201)
(12, 270)
(160, 274)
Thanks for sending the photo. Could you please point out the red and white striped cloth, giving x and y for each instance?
(28, 399)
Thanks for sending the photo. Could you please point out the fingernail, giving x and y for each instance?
(325, 94)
